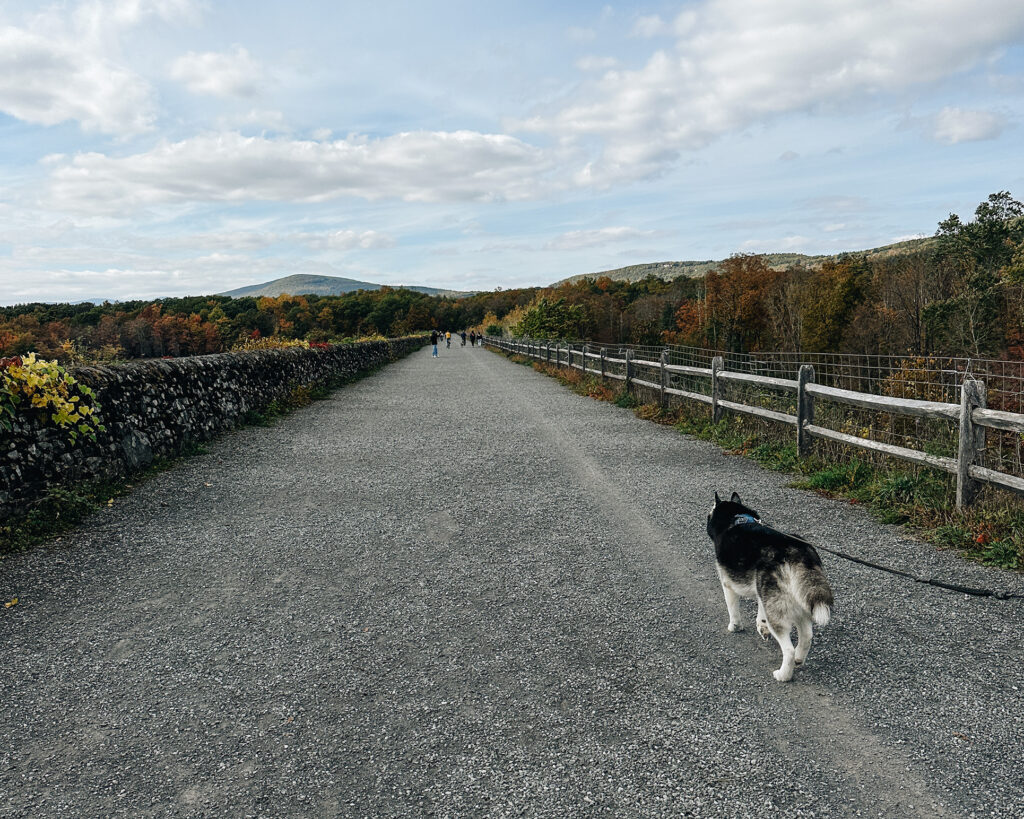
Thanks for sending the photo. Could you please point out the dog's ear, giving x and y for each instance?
(735, 497)
(717, 499)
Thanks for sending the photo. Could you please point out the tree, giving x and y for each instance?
(550, 319)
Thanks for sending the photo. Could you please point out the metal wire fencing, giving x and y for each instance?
(926, 378)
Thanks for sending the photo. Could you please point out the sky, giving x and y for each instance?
(154, 148)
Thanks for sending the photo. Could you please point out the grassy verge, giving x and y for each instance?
(63, 508)
(991, 532)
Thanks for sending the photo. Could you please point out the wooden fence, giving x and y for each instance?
(970, 414)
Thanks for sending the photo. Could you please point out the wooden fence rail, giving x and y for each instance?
(970, 414)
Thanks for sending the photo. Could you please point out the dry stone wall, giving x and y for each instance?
(158, 408)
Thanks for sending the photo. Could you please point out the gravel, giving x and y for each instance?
(457, 589)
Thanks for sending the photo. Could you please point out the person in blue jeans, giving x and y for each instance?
(433, 340)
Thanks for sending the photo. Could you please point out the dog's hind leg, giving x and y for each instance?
(781, 633)
(804, 635)
(732, 602)
(780, 622)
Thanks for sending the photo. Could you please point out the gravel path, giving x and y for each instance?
(458, 589)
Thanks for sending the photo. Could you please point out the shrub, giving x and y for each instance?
(270, 343)
(29, 384)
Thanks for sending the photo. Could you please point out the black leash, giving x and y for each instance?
(748, 520)
(998, 595)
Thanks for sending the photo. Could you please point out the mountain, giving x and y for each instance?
(776, 261)
(303, 284)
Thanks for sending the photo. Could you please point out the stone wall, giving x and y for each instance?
(158, 408)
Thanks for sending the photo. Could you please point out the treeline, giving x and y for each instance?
(209, 324)
(960, 294)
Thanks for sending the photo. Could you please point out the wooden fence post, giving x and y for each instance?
(664, 376)
(717, 365)
(583, 359)
(972, 441)
(804, 410)
(629, 367)
(604, 351)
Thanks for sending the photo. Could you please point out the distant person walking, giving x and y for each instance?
(463, 338)
(433, 340)
(448, 339)
(472, 338)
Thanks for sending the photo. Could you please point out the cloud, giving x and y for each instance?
(781, 244)
(235, 74)
(346, 240)
(954, 125)
(578, 239)
(419, 166)
(64, 64)
(262, 119)
(48, 80)
(789, 156)
(579, 34)
(650, 26)
(596, 63)
(737, 63)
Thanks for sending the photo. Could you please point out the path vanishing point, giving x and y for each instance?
(455, 588)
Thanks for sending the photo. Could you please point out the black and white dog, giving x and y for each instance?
(781, 571)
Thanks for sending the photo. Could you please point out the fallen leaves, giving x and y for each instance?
(11, 604)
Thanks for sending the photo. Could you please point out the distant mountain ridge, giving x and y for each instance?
(305, 284)
(776, 261)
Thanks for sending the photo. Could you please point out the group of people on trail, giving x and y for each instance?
(436, 335)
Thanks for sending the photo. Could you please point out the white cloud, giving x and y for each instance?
(784, 243)
(346, 240)
(953, 125)
(788, 156)
(581, 35)
(737, 63)
(235, 74)
(64, 64)
(650, 26)
(578, 239)
(417, 166)
(264, 120)
(596, 63)
(48, 80)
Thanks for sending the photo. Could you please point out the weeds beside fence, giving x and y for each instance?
(915, 409)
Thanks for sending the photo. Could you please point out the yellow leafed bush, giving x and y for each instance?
(29, 383)
(270, 343)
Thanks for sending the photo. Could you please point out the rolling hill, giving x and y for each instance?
(308, 285)
(776, 261)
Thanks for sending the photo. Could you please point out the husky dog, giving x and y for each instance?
(781, 571)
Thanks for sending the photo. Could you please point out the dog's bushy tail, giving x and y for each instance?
(819, 599)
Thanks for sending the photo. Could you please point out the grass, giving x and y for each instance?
(990, 532)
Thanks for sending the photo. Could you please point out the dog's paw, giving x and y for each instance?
(797, 662)
(782, 676)
(763, 630)
(735, 627)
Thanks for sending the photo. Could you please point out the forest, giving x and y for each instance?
(959, 294)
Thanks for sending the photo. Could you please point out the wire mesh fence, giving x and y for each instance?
(926, 378)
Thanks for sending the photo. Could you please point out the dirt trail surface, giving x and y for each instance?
(457, 589)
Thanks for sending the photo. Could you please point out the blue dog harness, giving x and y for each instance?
(744, 520)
